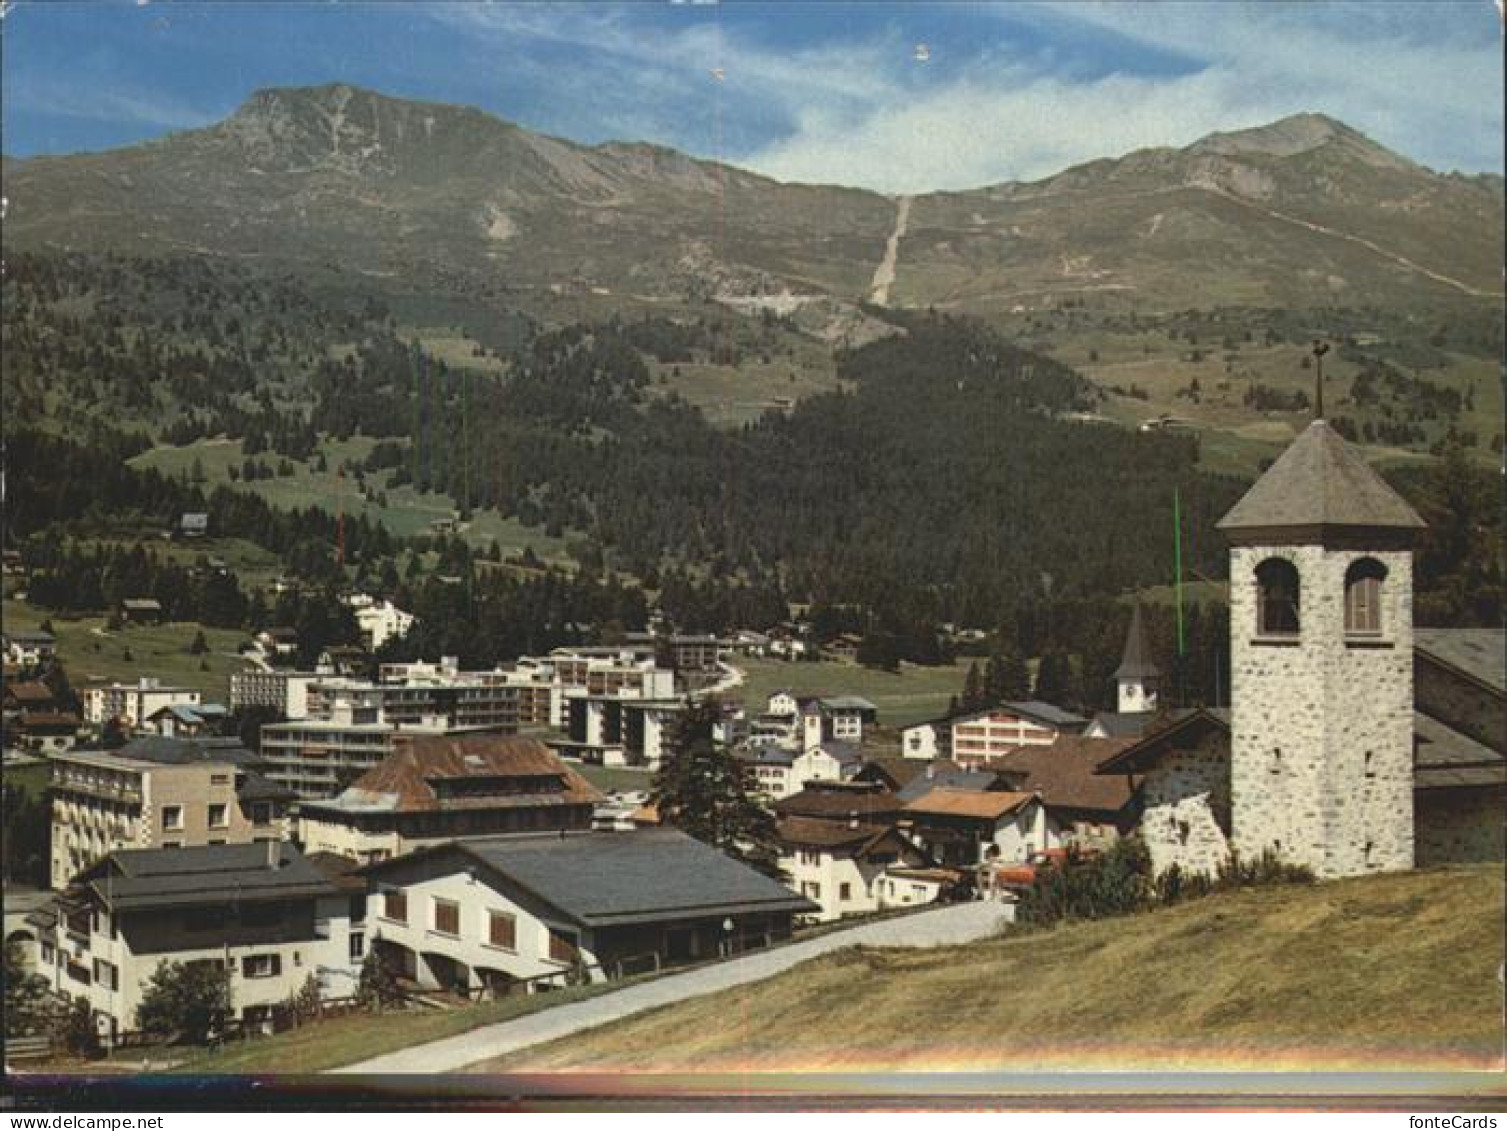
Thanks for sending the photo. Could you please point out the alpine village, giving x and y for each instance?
(451, 572)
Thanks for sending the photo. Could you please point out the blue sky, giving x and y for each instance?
(832, 92)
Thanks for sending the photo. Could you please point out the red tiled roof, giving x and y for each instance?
(944, 802)
(408, 771)
(1063, 773)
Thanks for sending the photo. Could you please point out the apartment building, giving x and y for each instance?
(131, 704)
(159, 793)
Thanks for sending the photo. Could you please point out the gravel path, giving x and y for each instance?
(946, 926)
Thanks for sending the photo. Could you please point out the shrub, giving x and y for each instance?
(189, 1000)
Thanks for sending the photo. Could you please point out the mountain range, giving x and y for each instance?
(1305, 211)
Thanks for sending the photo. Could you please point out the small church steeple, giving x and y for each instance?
(1135, 678)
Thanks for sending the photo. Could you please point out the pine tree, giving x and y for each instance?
(700, 790)
(973, 689)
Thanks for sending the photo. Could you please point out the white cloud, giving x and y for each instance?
(1419, 79)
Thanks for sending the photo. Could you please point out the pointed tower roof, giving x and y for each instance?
(1135, 664)
(1320, 481)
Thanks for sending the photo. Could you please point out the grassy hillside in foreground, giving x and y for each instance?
(1382, 973)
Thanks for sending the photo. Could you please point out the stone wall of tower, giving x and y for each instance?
(1321, 744)
(1186, 814)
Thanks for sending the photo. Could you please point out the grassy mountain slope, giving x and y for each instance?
(1278, 979)
(1301, 211)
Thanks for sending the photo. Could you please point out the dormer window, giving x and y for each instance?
(1363, 597)
(1278, 595)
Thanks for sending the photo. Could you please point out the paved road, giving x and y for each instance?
(945, 926)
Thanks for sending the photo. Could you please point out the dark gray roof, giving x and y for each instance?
(1045, 712)
(1446, 758)
(1320, 481)
(1135, 664)
(767, 755)
(608, 878)
(221, 873)
(26, 637)
(254, 787)
(1479, 652)
(950, 776)
(1123, 724)
(844, 752)
(184, 751)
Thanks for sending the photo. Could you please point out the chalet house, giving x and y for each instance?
(182, 720)
(1355, 743)
(29, 649)
(828, 761)
(489, 914)
(159, 793)
(141, 610)
(346, 661)
(381, 621)
(278, 643)
(261, 911)
(967, 828)
(1090, 811)
(767, 770)
(34, 720)
(438, 789)
(193, 524)
(43, 732)
(844, 648)
(838, 844)
(927, 741)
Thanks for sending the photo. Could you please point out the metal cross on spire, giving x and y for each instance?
(1320, 348)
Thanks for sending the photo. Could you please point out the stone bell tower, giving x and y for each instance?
(1321, 644)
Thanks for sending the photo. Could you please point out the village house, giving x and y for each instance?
(1089, 811)
(131, 704)
(838, 843)
(159, 793)
(26, 649)
(34, 720)
(490, 914)
(844, 648)
(181, 720)
(379, 621)
(1354, 743)
(193, 524)
(140, 610)
(260, 911)
(967, 829)
(438, 789)
(277, 644)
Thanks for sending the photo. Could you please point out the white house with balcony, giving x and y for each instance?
(494, 915)
(262, 911)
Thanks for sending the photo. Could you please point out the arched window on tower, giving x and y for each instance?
(1363, 597)
(1277, 598)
